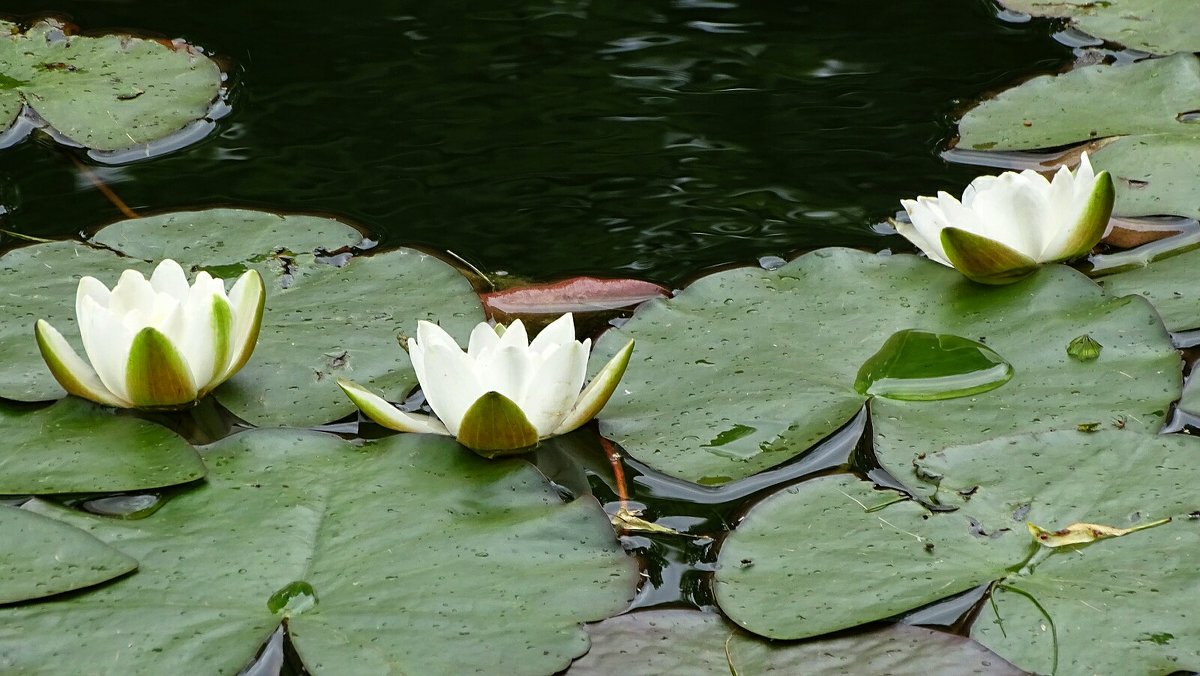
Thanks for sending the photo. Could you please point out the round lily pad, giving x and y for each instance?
(74, 446)
(1144, 116)
(1155, 26)
(107, 93)
(404, 555)
(655, 642)
(325, 316)
(43, 557)
(748, 368)
(835, 552)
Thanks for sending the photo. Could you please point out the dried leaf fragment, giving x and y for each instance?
(629, 520)
(1084, 533)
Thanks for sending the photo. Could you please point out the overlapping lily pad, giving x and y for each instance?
(1145, 116)
(43, 557)
(74, 446)
(321, 321)
(1128, 594)
(111, 92)
(422, 558)
(1155, 26)
(1168, 283)
(747, 368)
(656, 642)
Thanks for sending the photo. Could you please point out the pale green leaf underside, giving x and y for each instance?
(414, 547)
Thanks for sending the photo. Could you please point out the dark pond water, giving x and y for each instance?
(556, 137)
(651, 139)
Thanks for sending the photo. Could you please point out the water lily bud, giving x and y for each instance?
(156, 343)
(504, 393)
(1007, 225)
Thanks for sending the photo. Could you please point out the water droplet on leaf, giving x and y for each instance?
(922, 366)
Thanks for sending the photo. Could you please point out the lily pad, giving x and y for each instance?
(748, 368)
(1168, 283)
(1155, 26)
(656, 642)
(75, 446)
(107, 93)
(324, 316)
(43, 557)
(1144, 118)
(1113, 593)
(421, 558)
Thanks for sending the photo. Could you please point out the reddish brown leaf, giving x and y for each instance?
(577, 294)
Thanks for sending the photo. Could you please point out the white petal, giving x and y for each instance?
(450, 383)
(132, 295)
(514, 334)
(1012, 214)
(247, 298)
(90, 287)
(106, 341)
(205, 341)
(558, 332)
(926, 227)
(378, 409)
(508, 372)
(74, 374)
(169, 278)
(483, 338)
(555, 388)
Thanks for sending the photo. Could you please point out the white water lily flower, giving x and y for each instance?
(1006, 225)
(504, 393)
(156, 343)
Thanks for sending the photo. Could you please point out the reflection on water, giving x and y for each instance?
(656, 138)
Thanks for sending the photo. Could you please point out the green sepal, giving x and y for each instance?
(985, 260)
(156, 375)
(1093, 222)
(495, 425)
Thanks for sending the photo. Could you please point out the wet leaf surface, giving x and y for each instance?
(1155, 26)
(108, 92)
(43, 557)
(75, 446)
(474, 553)
(748, 368)
(813, 538)
(648, 643)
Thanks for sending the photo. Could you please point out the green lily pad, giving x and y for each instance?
(321, 320)
(1155, 26)
(405, 555)
(1147, 113)
(810, 539)
(43, 557)
(75, 446)
(654, 642)
(748, 368)
(1168, 283)
(107, 93)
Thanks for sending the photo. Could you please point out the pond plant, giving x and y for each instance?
(980, 433)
